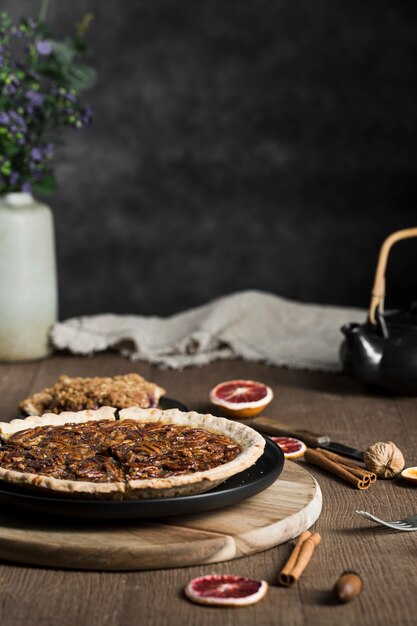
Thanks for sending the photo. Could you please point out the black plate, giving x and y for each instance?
(239, 487)
(170, 403)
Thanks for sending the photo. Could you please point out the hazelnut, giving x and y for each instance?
(384, 458)
(348, 586)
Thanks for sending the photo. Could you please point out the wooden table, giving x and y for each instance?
(31, 596)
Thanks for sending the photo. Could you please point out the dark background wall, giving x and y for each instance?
(238, 144)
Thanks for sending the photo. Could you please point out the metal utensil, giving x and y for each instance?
(312, 440)
(408, 523)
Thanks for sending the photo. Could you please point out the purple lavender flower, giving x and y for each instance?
(35, 98)
(34, 167)
(48, 150)
(14, 177)
(37, 170)
(15, 32)
(36, 154)
(10, 89)
(38, 175)
(35, 104)
(33, 75)
(12, 83)
(17, 119)
(71, 97)
(86, 116)
(44, 48)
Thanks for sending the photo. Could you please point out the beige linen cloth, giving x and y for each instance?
(254, 325)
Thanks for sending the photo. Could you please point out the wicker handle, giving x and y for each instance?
(378, 290)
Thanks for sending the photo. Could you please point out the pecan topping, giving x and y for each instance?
(108, 450)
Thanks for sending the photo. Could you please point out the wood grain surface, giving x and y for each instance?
(281, 512)
(36, 596)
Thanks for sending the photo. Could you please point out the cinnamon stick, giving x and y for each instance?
(299, 558)
(340, 459)
(356, 471)
(290, 564)
(318, 458)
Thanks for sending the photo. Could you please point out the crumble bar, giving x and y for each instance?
(77, 394)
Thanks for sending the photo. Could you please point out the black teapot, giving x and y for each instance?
(382, 352)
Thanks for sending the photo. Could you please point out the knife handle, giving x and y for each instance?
(274, 427)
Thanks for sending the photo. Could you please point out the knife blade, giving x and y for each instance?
(277, 428)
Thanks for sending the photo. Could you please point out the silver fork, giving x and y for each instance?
(408, 523)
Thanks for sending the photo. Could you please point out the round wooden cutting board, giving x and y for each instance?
(281, 512)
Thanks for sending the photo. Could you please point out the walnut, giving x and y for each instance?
(384, 458)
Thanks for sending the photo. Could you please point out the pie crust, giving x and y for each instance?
(250, 442)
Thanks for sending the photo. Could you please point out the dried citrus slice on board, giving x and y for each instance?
(410, 473)
(241, 398)
(225, 590)
(291, 447)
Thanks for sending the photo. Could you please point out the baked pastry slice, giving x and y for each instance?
(77, 394)
(209, 450)
(44, 454)
(147, 453)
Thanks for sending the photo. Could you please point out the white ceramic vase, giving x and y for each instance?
(28, 283)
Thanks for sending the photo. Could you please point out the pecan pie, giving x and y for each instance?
(77, 394)
(145, 453)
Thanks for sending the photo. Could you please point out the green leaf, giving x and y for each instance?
(46, 186)
(51, 69)
(42, 29)
(80, 44)
(63, 50)
(81, 77)
(13, 149)
(6, 168)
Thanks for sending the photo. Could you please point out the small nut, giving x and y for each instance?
(384, 458)
(348, 586)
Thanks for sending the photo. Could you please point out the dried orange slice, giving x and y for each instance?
(291, 447)
(225, 590)
(410, 473)
(241, 398)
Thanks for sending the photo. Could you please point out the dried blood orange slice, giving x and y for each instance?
(241, 398)
(410, 473)
(291, 447)
(225, 590)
